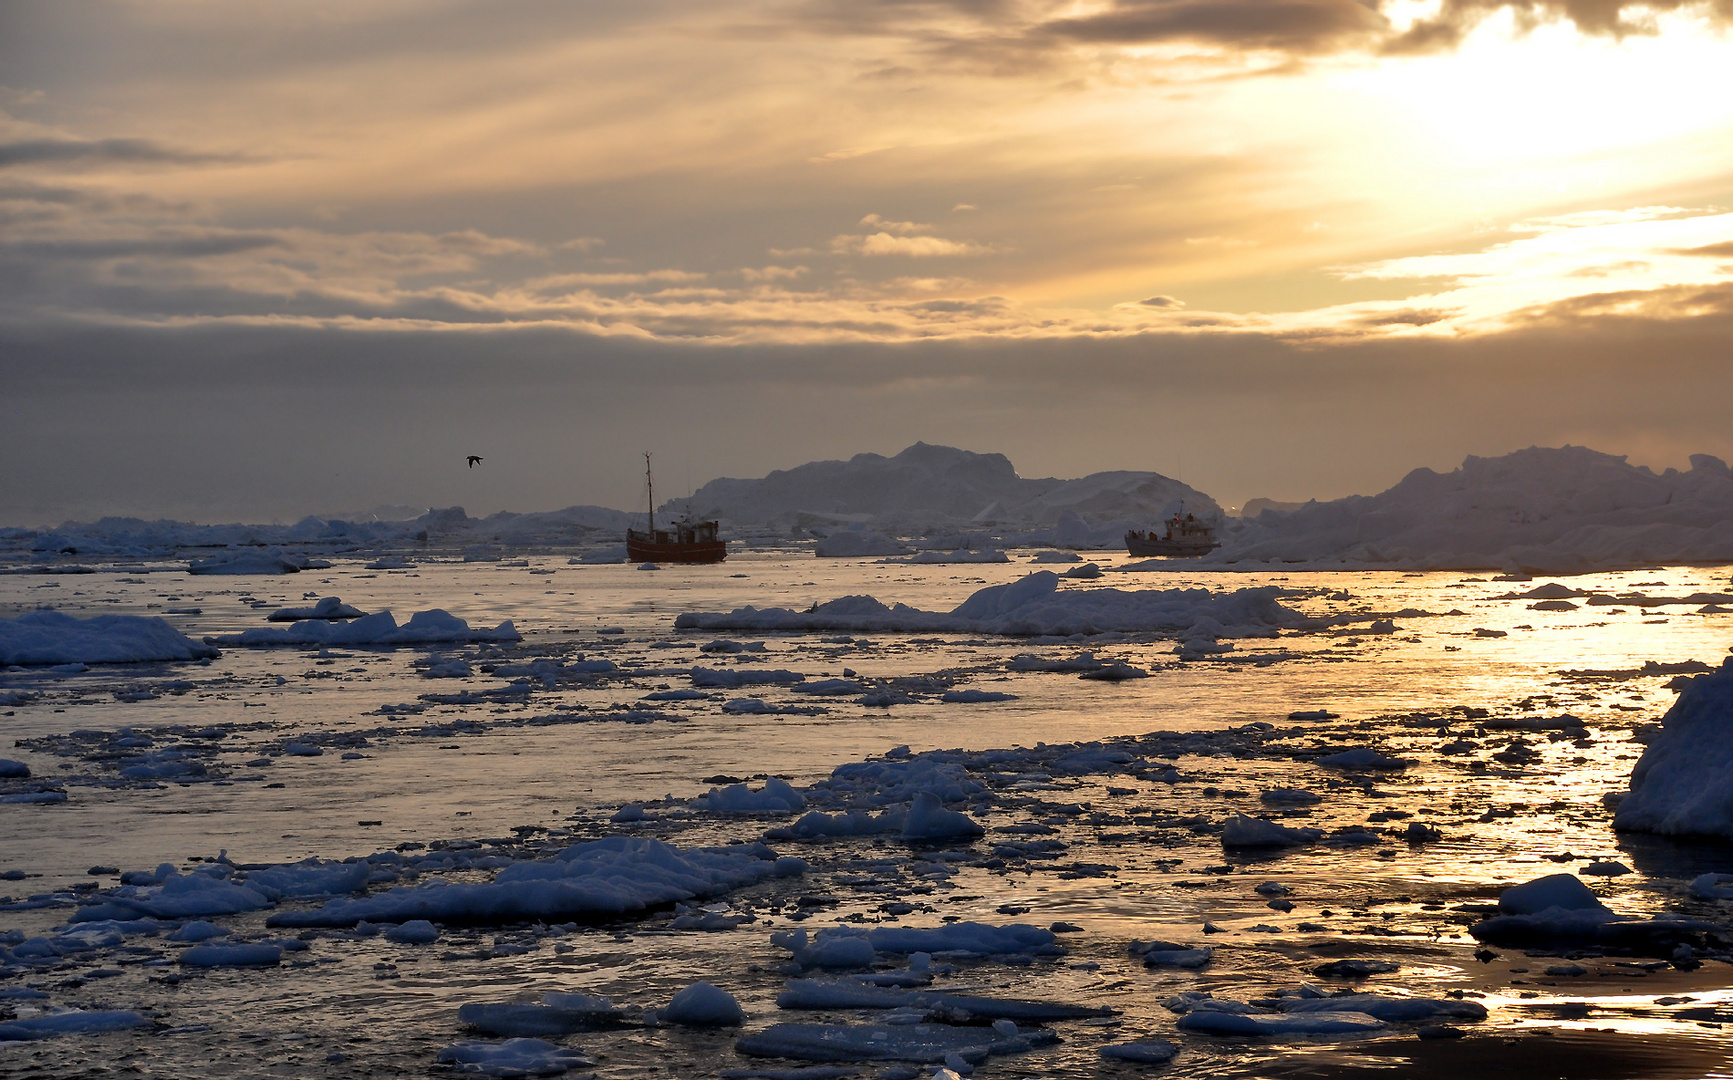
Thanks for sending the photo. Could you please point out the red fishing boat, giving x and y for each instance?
(687, 542)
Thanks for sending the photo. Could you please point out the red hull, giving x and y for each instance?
(698, 551)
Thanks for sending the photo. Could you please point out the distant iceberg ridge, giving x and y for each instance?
(1560, 510)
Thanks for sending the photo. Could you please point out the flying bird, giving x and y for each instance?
(474, 460)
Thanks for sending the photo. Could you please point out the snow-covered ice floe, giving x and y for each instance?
(255, 562)
(1683, 783)
(1035, 605)
(50, 637)
(611, 876)
(423, 628)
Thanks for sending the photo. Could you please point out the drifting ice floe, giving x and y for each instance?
(71, 1022)
(854, 994)
(255, 562)
(423, 628)
(923, 1043)
(1559, 911)
(49, 637)
(1035, 605)
(514, 1057)
(610, 876)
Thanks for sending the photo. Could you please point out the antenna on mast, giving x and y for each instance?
(650, 493)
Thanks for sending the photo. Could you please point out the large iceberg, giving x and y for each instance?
(1035, 605)
(1683, 783)
(50, 637)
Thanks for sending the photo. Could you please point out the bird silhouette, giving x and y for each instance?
(474, 460)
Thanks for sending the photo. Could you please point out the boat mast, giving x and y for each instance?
(650, 490)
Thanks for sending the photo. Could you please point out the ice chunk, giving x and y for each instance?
(258, 954)
(1211, 1022)
(1148, 1052)
(13, 770)
(180, 896)
(1394, 1010)
(776, 797)
(960, 555)
(924, 1043)
(1289, 795)
(1242, 831)
(329, 607)
(198, 930)
(513, 1057)
(1560, 909)
(556, 1014)
(703, 1005)
(729, 678)
(246, 562)
(70, 1022)
(972, 696)
(1361, 757)
(856, 994)
(928, 819)
(1563, 891)
(47, 637)
(1171, 954)
(413, 932)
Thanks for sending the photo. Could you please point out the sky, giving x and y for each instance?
(260, 261)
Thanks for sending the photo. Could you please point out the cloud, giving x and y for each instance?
(108, 151)
(1713, 251)
(1162, 302)
(847, 154)
(904, 227)
(773, 273)
(1303, 26)
(915, 247)
(1406, 318)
